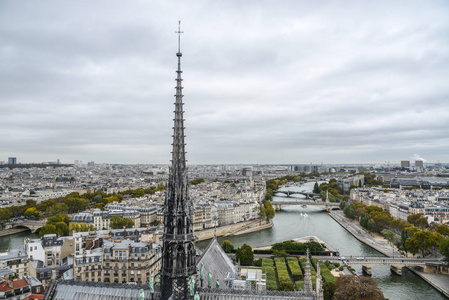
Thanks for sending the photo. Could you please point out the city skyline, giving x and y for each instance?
(268, 83)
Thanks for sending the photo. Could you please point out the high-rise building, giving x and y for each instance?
(405, 164)
(12, 160)
(178, 249)
(419, 164)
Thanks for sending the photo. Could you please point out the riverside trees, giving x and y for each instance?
(411, 236)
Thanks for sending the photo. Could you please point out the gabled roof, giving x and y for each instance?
(4, 286)
(218, 262)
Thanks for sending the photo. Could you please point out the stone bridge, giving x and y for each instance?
(279, 204)
(34, 226)
(288, 193)
(396, 264)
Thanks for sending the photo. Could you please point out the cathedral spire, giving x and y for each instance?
(178, 250)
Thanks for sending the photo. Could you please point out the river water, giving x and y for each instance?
(294, 222)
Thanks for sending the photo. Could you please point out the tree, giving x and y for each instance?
(30, 203)
(59, 218)
(32, 213)
(350, 287)
(443, 230)
(227, 246)
(62, 229)
(329, 289)
(422, 223)
(74, 227)
(118, 222)
(371, 225)
(245, 255)
(390, 236)
(444, 249)
(269, 210)
(423, 241)
(316, 188)
(5, 216)
(412, 218)
(349, 212)
(47, 229)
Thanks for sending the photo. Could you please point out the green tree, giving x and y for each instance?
(316, 188)
(329, 289)
(31, 203)
(59, 218)
(412, 218)
(269, 209)
(62, 229)
(390, 236)
(245, 255)
(423, 241)
(5, 216)
(47, 229)
(118, 222)
(32, 213)
(422, 223)
(444, 249)
(371, 225)
(227, 246)
(74, 227)
(443, 230)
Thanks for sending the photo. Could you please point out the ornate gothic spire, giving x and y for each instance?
(178, 257)
(308, 287)
(319, 288)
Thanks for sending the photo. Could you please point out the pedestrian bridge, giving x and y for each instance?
(396, 264)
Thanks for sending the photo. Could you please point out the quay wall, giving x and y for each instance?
(233, 229)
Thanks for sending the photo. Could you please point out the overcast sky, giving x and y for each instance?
(264, 81)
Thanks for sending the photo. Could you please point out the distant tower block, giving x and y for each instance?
(419, 164)
(12, 160)
(405, 164)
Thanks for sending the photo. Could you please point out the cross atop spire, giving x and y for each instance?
(179, 36)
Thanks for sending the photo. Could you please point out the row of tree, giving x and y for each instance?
(72, 203)
(411, 236)
(273, 184)
(60, 225)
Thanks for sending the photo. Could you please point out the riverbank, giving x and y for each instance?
(12, 231)
(440, 282)
(233, 229)
(359, 233)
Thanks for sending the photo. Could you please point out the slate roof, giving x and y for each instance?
(218, 262)
(74, 290)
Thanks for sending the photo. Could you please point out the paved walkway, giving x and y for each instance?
(439, 281)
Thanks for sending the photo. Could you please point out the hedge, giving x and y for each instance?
(294, 267)
(283, 276)
(326, 273)
(268, 268)
(299, 285)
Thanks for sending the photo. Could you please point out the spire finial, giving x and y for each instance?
(179, 36)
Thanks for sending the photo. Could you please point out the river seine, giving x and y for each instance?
(294, 222)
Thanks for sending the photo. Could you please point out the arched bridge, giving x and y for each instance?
(396, 264)
(279, 204)
(289, 193)
(34, 226)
